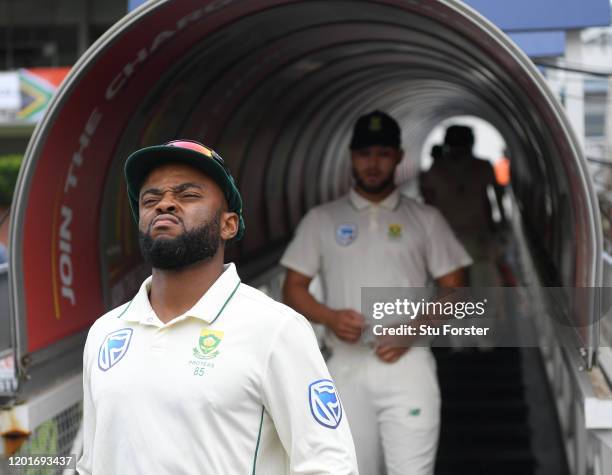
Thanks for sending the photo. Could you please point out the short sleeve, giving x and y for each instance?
(300, 397)
(444, 252)
(303, 254)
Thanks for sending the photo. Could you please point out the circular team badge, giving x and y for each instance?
(346, 233)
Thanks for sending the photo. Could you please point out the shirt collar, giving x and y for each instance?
(360, 203)
(208, 308)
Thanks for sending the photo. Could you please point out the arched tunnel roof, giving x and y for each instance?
(274, 86)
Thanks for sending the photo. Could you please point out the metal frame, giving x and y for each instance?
(29, 415)
(20, 199)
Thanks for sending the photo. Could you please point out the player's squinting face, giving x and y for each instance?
(373, 167)
(176, 198)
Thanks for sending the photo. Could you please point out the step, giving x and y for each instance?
(507, 429)
(509, 468)
(479, 457)
(484, 414)
(474, 354)
(487, 435)
(460, 391)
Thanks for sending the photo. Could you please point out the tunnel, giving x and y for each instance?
(274, 86)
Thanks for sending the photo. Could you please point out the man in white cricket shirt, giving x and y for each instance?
(200, 373)
(375, 237)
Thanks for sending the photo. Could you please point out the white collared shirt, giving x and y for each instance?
(235, 385)
(353, 243)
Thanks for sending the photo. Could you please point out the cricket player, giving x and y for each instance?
(375, 237)
(458, 185)
(200, 373)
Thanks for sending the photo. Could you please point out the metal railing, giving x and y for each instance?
(5, 321)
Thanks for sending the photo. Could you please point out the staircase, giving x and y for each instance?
(487, 427)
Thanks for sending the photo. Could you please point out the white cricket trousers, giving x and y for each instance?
(393, 408)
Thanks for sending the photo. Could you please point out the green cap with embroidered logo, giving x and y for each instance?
(375, 128)
(140, 163)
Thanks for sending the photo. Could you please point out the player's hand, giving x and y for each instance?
(390, 354)
(346, 324)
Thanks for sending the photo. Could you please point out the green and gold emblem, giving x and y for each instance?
(207, 344)
(395, 231)
(375, 124)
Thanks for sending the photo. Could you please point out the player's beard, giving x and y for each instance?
(383, 185)
(197, 245)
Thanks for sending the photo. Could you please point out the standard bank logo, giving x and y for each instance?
(113, 348)
(324, 403)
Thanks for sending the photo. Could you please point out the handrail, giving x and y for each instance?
(600, 161)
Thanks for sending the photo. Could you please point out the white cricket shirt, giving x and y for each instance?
(459, 191)
(353, 243)
(236, 385)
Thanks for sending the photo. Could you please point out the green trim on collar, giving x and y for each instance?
(126, 309)
(226, 302)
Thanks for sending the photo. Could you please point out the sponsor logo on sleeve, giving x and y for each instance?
(324, 403)
(113, 348)
(346, 233)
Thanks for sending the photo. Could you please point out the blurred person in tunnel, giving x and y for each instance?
(374, 236)
(460, 186)
(200, 373)
(437, 154)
